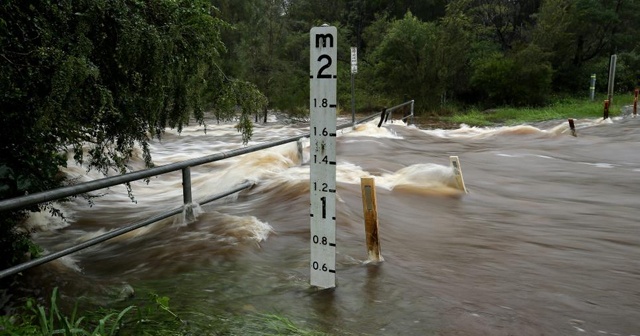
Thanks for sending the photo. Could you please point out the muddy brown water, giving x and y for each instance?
(547, 242)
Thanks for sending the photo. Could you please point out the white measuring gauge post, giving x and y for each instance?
(323, 104)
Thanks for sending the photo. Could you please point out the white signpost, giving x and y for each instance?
(323, 104)
(354, 71)
(354, 60)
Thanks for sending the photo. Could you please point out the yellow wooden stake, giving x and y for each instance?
(457, 171)
(370, 208)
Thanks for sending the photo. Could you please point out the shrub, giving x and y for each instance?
(521, 79)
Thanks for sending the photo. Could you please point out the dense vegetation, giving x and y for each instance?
(150, 316)
(94, 78)
(480, 52)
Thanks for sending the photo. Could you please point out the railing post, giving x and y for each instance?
(300, 147)
(383, 115)
(186, 194)
(412, 102)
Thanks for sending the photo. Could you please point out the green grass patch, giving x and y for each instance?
(152, 318)
(37, 319)
(562, 108)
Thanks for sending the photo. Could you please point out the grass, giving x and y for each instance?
(152, 319)
(562, 108)
(38, 320)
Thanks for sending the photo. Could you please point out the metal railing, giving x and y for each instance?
(387, 112)
(184, 166)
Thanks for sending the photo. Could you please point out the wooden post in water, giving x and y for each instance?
(635, 102)
(370, 209)
(457, 171)
(606, 110)
(573, 127)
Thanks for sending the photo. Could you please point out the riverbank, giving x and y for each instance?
(561, 108)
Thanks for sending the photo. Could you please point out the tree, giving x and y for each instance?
(97, 77)
(507, 22)
(405, 61)
(522, 78)
(580, 36)
(455, 42)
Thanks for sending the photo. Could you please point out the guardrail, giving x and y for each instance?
(386, 113)
(184, 166)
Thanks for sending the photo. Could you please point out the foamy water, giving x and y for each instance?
(546, 241)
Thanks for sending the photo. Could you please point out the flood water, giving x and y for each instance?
(546, 242)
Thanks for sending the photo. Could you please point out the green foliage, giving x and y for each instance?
(152, 317)
(560, 109)
(15, 245)
(523, 79)
(433, 53)
(455, 41)
(405, 61)
(42, 321)
(628, 71)
(94, 78)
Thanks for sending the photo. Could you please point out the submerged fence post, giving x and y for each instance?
(370, 209)
(606, 110)
(186, 194)
(457, 171)
(572, 126)
(592, 87)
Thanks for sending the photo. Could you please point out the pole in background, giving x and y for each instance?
(612, 78)
(412, 103)
(354, 71)
(592, 87)
(635, 102)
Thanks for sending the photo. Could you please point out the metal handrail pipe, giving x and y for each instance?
(112, 234)
(393, 108)
(51, 195)
(375, 115)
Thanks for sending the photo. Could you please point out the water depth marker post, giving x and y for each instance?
(457, 172)
(323, 105)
